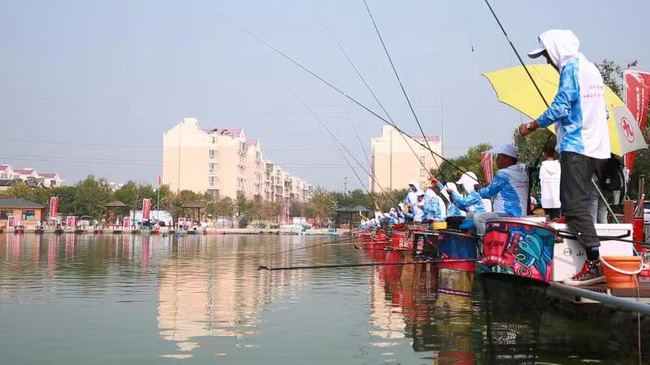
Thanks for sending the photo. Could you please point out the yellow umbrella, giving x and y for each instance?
(514, 88)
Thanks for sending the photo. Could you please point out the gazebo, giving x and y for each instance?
(111, 206)
(194, 205)
(351, 211)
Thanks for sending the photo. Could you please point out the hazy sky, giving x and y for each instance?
(89, 87)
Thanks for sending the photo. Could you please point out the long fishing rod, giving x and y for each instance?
(333, 242)
(381, 105)
(530, 76)
(514, 49)
(348, 151)
(330, 85)
(399, 80)
(365, 264)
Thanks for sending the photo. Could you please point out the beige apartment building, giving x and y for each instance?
(224, 163)
(394, 164)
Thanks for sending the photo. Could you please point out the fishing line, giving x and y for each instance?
(343, 147)
(399, 80)
(381, 105)
(251, 34)
(306, 247)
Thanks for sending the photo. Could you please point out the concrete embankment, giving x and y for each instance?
(166, 230)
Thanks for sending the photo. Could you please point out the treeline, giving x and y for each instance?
(90, 195)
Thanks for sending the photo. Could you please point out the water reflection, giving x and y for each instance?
(216, 290)
(90, 299)
(432, 307)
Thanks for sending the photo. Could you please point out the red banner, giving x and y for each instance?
(488, 172)
(71, 221)
(637, 96)
(126, 222)
(146, 209)
(54, 207)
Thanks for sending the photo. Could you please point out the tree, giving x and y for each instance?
(127, 194)
(91, 195)
(471, 161)
(531, 147)
(224, 207)
(612, 76)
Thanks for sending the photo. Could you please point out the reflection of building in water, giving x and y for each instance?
(202, 293)
(432, 306)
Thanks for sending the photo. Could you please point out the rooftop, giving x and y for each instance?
(18, 203)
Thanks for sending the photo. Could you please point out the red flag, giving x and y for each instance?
(488, 172)
(159, 180)
(637, 96)
(146, 209)
(54, 207)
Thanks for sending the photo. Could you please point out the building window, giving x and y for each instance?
(423, 158)
(213, 154)
(212, 181)
(423, 172)
(4, 175)
(214, 139)
(213, 168)
(29, 215)
(5, 214)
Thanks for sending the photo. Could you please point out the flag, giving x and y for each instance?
(637, 97)
(488, 172)
(146, 209)
(159, 180)
(54, 207)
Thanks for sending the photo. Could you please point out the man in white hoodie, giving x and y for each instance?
(580, 117)
(549, 181)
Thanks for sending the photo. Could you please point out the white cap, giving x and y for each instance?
(467, 177)
(537, 51)
(508, 150)
(419, 193)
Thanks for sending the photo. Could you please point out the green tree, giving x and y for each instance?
(612, 76)
(91, 195)
(471, 161)
(224, 207)
(127, 194)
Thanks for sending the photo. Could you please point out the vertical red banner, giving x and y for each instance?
(146, 209)
(126, 222)
(488, 172)
(637, 96)
(54, 207)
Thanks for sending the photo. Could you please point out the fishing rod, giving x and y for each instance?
(365, 264)
(530, 76)
(348, 151)
(401, 85)
(381, 105)
(331, 86)
(306, 247)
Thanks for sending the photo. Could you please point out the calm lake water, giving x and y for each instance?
(201, 300)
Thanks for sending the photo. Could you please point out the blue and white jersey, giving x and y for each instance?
(471, 203)
(578, 110)
(432, 206)
(509, 188)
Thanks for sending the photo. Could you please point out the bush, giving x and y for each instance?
(243, 222)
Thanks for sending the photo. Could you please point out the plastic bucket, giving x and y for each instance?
(617, 280)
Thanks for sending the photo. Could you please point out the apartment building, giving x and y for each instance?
(224, 162)
(10, 176)
(394, 164)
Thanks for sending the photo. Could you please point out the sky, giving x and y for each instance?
(89, 87)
